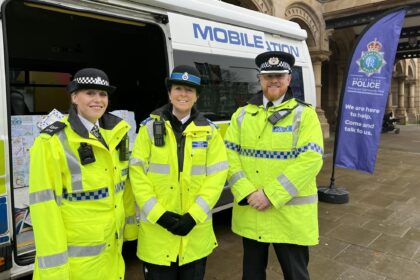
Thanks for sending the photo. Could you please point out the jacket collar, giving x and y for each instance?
(165, 114)
(258, 98)
(107, 121)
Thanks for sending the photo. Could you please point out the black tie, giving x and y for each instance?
(269, 104)
(97, 134)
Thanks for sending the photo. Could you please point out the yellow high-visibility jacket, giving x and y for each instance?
(77, 210)
(158, 187)
(281, 159)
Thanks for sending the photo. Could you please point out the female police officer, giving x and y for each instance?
(177, 169)
(77, 174)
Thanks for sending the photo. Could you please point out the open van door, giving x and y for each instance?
(42, 44)
(6, 228)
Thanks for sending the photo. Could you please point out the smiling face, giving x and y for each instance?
(274, 86)
(90, 103)
(183, 99)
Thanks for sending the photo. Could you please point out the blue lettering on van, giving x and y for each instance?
(273, 46)
(226, 36)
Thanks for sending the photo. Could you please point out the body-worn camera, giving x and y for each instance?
(124, 150)
(86, 154)
(159, 133)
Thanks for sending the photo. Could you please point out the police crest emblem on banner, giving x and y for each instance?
(372, 60)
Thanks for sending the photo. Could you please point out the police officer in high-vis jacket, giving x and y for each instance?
(177, 170)
(275, 147)
(80, 206)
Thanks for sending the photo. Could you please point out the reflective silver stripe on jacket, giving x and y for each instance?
(149, 126)
(296, 125)
(143, 217)
(148, 206)
(85, 251)
(130, 220)
(241, 116)
(303, 200)
(217, 167)
(203, 204)
(159, 168)
(41, 196)
(290, 188)
(72, 162)
(124, 171)
(198, 170)
(209, 170)
(119, 187)
(52, 260)
(236, 177)
(121, 232)
(138, 162)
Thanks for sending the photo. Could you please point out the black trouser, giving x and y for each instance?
(293, 259)
(190, 271)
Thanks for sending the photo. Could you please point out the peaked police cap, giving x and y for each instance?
(275, 62)
(184, 75)
(90, 78)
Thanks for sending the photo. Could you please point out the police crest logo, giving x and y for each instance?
(372, 60)
(273, 61)
(185, 76)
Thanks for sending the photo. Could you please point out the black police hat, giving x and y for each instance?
(275, 62)
(90, 78)
(184, 75)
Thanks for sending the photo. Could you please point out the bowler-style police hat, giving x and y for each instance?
(90, 78)
(184, 75)
(275, 62)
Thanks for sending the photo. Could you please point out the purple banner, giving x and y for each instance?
(365, 93)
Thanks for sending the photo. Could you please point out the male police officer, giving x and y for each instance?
(275, 148)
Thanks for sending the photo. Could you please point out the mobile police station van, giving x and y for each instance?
(137, 43)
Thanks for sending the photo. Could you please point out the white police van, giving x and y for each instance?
(137, 42)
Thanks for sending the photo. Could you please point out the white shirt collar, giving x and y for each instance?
(184, 119)
(275, 102)
(87, 123)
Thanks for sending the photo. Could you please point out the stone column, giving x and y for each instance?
(401, 112)
(317, 58)
(388, 108)
(411, 110)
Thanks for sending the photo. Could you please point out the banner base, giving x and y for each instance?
(333, 195)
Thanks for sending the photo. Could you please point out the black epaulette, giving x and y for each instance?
(54, 128)
(303, 102)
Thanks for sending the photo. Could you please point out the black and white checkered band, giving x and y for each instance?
(89, 195)
(282, 65)
(92, 81)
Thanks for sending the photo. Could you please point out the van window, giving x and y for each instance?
(228, 82)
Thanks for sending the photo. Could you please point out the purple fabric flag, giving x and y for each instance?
(365, 93)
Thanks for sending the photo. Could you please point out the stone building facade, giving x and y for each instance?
(331, 48)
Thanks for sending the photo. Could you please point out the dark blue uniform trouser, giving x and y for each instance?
(293, 260)
(190, 271)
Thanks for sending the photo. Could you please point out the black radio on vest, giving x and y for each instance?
(159, 133)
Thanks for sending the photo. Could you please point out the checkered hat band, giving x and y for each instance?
(82, 196)
(274, 154)
(183, 77)
(282, 65)
(92, 81)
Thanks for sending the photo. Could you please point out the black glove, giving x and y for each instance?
(243, 202)
(168, 220)
(185, 224)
